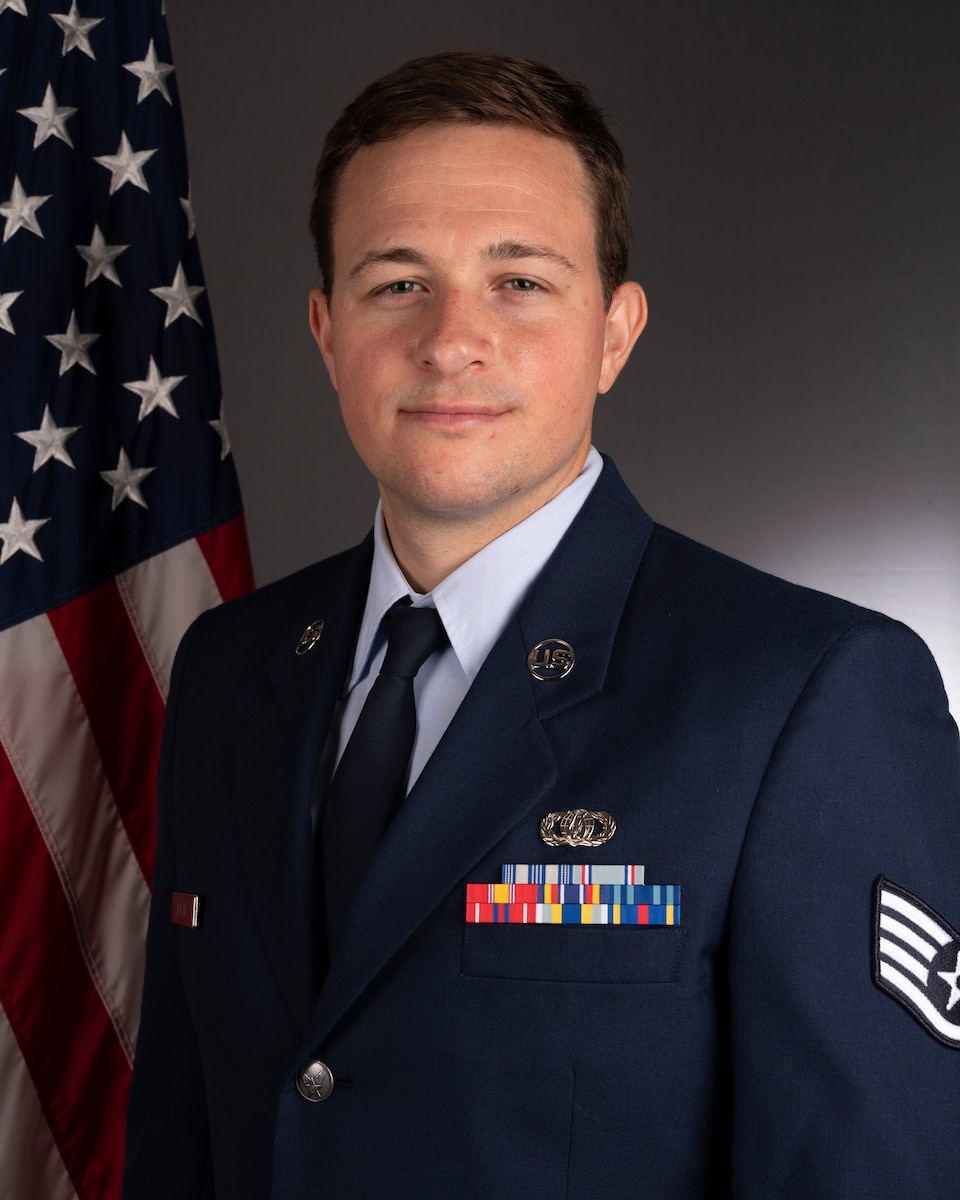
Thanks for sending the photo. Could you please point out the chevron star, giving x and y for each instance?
(154, 391)
(49, 441)
(50, 119)
(17, 6)
(76, 30)
(179, 298)
(125, 481)
(73, 346)
(21, 211)
(126, 166)
(6, 299)
(952, 977)
(16, 533)
(99, 258)
(152, 75)
(220, 426)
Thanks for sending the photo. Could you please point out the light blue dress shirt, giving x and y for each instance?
(475, 603)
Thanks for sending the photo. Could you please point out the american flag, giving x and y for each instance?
(120, 520)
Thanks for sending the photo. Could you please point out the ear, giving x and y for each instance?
(625, 320)
(320, 327)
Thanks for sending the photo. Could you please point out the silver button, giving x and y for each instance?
(315, 1081)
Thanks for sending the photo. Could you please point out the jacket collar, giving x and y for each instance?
(276, 762)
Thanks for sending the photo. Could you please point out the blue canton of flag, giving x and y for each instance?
(120, 521)
(111, 409)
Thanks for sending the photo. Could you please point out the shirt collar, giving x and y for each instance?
(476, 600)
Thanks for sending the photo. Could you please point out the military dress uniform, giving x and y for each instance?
(779, 764)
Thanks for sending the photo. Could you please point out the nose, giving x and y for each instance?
(455, 334)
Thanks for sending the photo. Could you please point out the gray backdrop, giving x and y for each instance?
(794, 400)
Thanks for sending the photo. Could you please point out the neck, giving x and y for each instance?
(430, 543)
(428, 551)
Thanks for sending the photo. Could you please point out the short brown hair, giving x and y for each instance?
(481, 89)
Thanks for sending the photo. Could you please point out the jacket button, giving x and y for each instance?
(315, 1081)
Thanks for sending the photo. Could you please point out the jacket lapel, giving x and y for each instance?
(495, 763)
(276, 762)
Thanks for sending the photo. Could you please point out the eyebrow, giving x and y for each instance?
(402, 255)
(505, 251)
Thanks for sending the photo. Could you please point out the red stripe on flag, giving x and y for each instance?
(123, 706)
(228, 556)
(64, 1033)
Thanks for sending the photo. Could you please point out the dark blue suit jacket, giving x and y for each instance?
(771, 750)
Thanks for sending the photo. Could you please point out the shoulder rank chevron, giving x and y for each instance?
(916, 960)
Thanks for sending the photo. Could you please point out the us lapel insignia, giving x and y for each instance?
(577, 827)
(310, 637)
(551, 659)
(916, 960)
(572, 894)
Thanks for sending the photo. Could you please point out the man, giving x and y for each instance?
(329, 1011)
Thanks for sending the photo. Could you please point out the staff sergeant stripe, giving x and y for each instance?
(919, 918)
(898, 929)
(932, 996)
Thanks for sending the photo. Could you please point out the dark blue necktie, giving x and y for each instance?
(368, 785)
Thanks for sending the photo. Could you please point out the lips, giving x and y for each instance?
(457, 417)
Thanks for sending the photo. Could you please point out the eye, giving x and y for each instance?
(402, 287)
(522, 285)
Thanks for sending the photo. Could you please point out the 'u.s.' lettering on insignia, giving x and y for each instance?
(578, 827)
(917, 960)
(553, 658)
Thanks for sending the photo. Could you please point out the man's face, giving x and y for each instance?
(466, 333)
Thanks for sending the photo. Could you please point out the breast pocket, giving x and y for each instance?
(573, 953)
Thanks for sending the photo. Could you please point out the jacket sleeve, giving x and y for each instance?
(167, 1149)
(838, 1090)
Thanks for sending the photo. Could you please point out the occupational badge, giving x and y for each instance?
(578, 827)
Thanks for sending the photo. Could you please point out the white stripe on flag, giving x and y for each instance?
(32, 1166)
(907, 961)
(899, 930)
(45, 733)
(914, 914)
(162, 596)
(903, 985)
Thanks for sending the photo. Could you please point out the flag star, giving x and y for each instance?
(6, 299)
(220, 426)
(126, 480)
(154, 391)
(17, 6)
(187, 206)
(152, 75)
(99, 258)
(950, 977)
(49, 118)
(126, 166)
(21, 211)
(76, 30)
(18, 534)
(73, 346)
(49, 441)
(179, 297)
